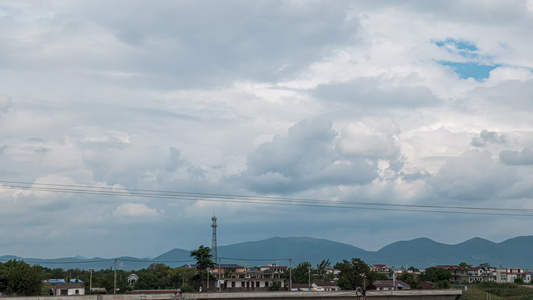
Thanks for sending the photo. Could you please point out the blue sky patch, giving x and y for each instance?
(461, 45)
(467, 70)
(463, 48)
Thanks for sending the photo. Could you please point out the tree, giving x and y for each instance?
(321, 272)
(440, 277)
(275, 286)
(465, 266)
(355, 273)
(203, 258)
(19, 278)
(300, 274)
(146, 281)
(379, 276)
(435, 274)
(411, 268)
(204, 261)
(411, 279)
(519, 280)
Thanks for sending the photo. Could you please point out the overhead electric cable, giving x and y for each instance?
(265, 200)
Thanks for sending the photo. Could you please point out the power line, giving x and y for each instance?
(264, 200)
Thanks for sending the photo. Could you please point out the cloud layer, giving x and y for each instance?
(388, 103)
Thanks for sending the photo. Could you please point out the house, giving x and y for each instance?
(132, 279)
(406, 271)
(68, 289)
(388, 285)
(227, 270)
(326, 287)
(316, 287)
(486, 274)
(509, 275)
(458, 273)
(383, 269)
(236, 277)
(334, 272)
(275, 267)
(301, 287)
(426, 285)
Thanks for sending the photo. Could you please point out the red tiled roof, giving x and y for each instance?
(380, 266)
(447, 267)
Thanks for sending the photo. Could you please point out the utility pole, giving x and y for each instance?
(91, 282)
(219, 287)
(309, 268)
(290, 274)
(115, 279)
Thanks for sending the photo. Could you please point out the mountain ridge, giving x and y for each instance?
(420, 252)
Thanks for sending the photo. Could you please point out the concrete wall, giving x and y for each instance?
(342, 295)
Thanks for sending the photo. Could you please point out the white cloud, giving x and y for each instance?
(5, 102)
(135, 210)
(371, 138)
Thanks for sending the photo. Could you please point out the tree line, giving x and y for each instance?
(22, 279)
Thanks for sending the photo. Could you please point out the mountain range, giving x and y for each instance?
(420, 253)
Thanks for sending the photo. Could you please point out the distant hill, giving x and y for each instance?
(420, 253)
(175, 258)
(299, 249)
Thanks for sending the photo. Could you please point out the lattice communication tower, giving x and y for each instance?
(214, 240)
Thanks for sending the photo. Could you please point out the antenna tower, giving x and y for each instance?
(214, 241)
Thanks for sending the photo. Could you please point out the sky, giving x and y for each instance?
(373, 109)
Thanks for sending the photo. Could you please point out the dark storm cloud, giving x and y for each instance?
(524, 157)
(486, 137)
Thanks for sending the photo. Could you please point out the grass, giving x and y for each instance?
(494, 291)
(474, 293)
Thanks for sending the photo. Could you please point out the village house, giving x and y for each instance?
(334, 272)
(236, 277)
(383, 269)
(68, 289)
(509, 275)
(500, 275)
(388, 285)
(316, 287)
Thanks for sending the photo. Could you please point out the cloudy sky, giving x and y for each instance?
(402, 104)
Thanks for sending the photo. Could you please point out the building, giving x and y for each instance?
(335, 273)
(275, 267)
(509, 275)
(426, 285)
(326, 287)
(383, 269)
(500, 275)
(236, 277)
(388, 285)
(68, 289)
(458, 274)
(316, 287)
(132, 279)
